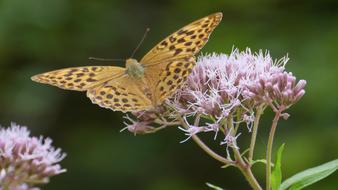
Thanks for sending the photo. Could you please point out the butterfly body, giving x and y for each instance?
(134, 68)
(144, 84)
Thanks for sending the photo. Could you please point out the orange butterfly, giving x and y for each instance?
(144, 84)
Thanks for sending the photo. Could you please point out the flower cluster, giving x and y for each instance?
(220, 83)
(26, 161)
(227, 90)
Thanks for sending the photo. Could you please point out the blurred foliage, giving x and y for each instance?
(41, 35)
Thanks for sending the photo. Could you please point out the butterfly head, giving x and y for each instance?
(134, 68)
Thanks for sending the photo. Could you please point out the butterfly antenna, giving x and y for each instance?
(139, 44)
(104, 59)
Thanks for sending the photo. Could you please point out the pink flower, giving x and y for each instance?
(26, 161)
(138, 127)
(220, 84)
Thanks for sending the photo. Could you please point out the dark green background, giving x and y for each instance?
(41, 35)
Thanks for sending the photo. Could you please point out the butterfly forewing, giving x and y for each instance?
(79, 78)
(169, 63)
(187, 41)
(121, 94)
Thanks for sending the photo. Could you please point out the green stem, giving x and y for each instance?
(241, 164)
(254, 132)
(269, 148)
(246, 170)
(3, 184)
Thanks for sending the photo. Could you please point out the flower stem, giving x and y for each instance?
(5, 188)
(246, 170)
(244, 167)
(269, 148)
(239, 163)
(204, 147)
(254, 132)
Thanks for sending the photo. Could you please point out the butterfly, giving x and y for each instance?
(144, 84)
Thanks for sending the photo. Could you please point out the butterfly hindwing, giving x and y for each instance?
(121, 94)
(79, 78)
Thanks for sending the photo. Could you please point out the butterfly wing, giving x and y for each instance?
(121, 94)
(171, 77)
(79, 78)
(187, 41)
(168, 64)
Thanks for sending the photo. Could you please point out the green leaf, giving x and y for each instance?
(214, 186)
(276, 176)
(310, 176)
(263, 161)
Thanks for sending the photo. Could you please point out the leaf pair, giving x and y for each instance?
(302, 179)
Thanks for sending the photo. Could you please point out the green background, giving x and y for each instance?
(42, 35)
